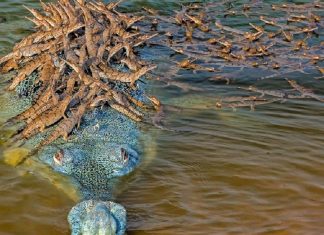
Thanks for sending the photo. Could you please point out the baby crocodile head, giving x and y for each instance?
(97, 218)
(116, 160)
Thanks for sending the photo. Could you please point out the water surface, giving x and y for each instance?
(222, 172)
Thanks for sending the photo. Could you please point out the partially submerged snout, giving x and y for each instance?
(97, 218)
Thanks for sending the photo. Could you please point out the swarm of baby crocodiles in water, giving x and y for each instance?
(83, 54)
(207, 38)
(199, 31)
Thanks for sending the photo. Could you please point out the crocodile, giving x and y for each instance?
(104, 149)
(92, 162)
(77, 53)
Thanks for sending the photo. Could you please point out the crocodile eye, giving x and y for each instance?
(124, 155)
(58, 157)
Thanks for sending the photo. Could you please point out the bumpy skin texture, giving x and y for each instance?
(95, 158)
(97, 217)
(120, 161)
(94, 172)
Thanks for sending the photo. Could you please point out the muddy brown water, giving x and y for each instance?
(222, 172)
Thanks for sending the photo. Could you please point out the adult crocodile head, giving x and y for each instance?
(95, 159)
(97, 217)
(94, 171)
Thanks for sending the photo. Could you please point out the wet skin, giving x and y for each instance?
(117, 161)
(97, 217)
(94, 175)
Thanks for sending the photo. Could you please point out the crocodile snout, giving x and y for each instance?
(97, 217)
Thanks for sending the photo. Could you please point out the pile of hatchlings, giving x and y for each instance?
(225, 39)
(83, 52)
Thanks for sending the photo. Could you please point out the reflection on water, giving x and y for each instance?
(221, 172)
